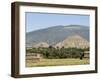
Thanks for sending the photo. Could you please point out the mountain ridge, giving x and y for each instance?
(53, 35)
(59, 26)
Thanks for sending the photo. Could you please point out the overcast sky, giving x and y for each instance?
(35, 21)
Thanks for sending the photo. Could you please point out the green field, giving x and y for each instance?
(56, 62)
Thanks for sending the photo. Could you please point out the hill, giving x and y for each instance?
(56, 34)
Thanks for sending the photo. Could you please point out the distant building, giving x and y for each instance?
(86, 54)
(33, 56)
(41, 44)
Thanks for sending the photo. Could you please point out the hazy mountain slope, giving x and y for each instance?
(56, 34)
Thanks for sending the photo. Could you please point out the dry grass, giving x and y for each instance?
(56, 62)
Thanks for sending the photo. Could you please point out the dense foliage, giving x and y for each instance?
(56, 53)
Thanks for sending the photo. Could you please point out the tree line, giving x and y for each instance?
(56, 53)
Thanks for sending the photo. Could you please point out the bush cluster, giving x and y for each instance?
(56, 53)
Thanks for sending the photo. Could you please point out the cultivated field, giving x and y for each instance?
(56, 62)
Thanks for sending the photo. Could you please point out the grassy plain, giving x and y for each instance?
(56, 62)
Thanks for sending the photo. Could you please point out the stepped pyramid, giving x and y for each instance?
(41, 44)
(73, 41)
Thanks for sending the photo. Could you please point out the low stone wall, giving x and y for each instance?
(34, 57)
